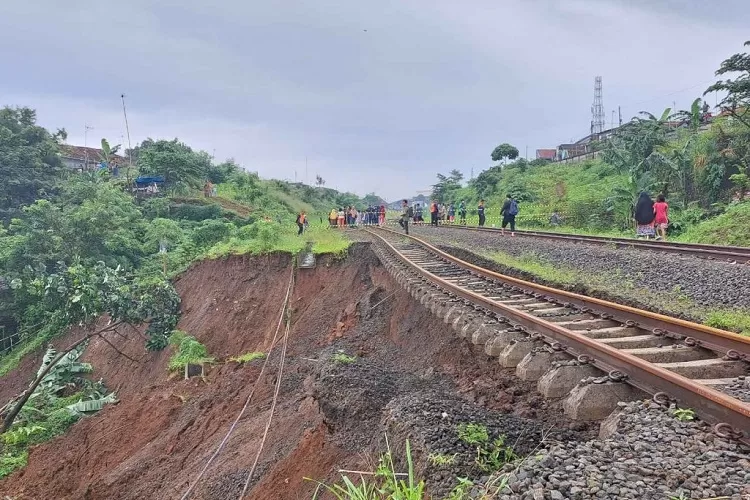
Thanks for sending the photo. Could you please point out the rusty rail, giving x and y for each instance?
(728, 415)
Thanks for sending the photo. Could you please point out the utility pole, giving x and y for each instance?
(307, 181)
(612, 123)
(527, 153)
(86, 129)
(127, 129)
(619, 114)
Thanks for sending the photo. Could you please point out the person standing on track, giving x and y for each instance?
(644, 216)
(661, 219)
(381, 215)
(434, 213)
(451, 213)
(341, 217)
(509, 212)
(407, 213)
(480, 211)
(418, 215)
(462, 213)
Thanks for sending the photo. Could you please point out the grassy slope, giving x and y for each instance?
(730, 228)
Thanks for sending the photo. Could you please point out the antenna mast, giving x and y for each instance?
(597, 109)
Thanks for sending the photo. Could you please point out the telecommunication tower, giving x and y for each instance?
(597, 109)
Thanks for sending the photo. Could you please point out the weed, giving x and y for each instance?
(733, 320)
(439, 459)
(189, 352)
(473, 433)
(343, 359)
(492, 457)
(20, 435)
(462, 490)
(10, 462)
(248, 356)
(683, 414)
(385, 482)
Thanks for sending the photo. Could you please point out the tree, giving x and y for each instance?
(737, 100)
(487, 180)
(629, 150)
(108, 152)
(180, 166)
(319, 181)
(504, 152)
(30, 167)
(444, 190)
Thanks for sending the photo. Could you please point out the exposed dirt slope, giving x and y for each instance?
(329, 416)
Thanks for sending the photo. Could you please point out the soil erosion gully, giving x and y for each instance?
(712, 252)
(672, 359)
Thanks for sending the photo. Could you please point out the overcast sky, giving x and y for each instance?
(378, 94)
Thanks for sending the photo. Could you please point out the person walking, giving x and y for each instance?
(301, 219)
(381, 215)
(442, 213)
(480, 211)
(434, 213)
(661, 216)
(462, 213)
(509, 212)
(451, 213)
(644, 216)
(407, 213)
(418, 215)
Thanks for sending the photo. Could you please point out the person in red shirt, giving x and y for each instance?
(381, 215)
(661, 213)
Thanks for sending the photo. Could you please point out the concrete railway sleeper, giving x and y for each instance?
(592, 352)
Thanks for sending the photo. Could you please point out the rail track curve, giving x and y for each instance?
(672, 359)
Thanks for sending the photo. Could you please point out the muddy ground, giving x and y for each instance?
(413, 378)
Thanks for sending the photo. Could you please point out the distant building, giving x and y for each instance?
(546, 154)
(83, 159)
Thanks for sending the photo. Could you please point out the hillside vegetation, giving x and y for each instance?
(700, 163)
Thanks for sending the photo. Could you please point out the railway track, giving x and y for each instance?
(595, 352)
(736, 254)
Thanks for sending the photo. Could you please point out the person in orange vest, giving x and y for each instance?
(434, 213)
(301, 222)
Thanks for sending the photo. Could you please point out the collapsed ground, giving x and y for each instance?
(403, 374)
(411, 377)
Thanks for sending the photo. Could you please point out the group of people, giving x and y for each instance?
(350, 216)
(440, 213)
(651, 218)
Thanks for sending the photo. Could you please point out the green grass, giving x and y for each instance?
(285, 239)
(12, 461)
(248, 356)
(532, 263)
(732, 320)
(343, 359)
(189, 351)
(440, 459)
(730, 228)
(471, 433)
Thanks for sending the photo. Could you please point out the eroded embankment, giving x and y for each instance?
(412, 377)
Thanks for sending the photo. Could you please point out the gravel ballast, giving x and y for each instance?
(651, 455)
(703, 282)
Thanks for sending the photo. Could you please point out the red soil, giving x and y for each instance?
(156, 440)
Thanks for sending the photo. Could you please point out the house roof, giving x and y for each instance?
(546, 154)
(93, 154)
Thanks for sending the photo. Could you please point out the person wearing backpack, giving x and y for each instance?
(509, 212)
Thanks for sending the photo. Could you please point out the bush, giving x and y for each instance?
(196, 212)
(211, 232)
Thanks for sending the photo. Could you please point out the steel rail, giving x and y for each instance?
(730, 253)
(713, 406)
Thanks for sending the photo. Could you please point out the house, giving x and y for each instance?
(83, 159)
(546, 154)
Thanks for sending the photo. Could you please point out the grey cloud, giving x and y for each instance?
(430, 86)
